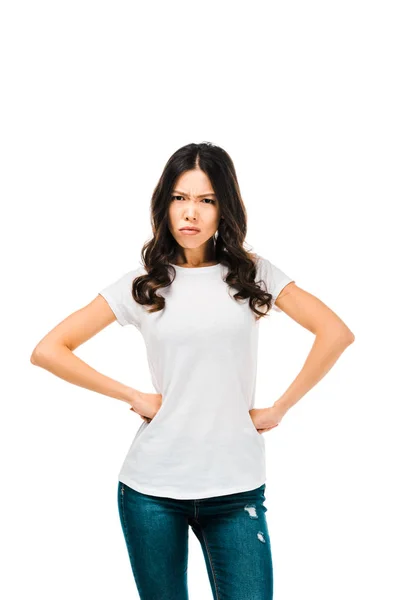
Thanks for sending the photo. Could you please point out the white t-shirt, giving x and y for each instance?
(202, 355)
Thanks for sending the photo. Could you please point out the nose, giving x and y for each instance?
(191, 211)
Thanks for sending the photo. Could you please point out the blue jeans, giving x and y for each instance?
(233, 533)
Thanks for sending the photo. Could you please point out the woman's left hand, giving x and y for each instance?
(265, 419)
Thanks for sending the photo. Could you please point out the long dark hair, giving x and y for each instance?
(162, 249)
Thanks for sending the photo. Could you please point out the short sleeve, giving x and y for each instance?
(119, 297)
(273, 278)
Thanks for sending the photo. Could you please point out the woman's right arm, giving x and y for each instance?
(55, 354)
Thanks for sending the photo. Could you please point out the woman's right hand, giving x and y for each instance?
(146, 405)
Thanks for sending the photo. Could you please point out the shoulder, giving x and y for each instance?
(263, 265)
(118, 294)
(127, 277)
(271, 277)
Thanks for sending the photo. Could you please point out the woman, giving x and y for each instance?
(198, 458)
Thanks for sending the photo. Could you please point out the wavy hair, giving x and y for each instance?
(162, 250)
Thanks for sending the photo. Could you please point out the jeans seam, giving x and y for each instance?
(211, 563)
(124, 523)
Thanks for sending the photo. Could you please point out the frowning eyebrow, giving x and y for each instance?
(201, 195)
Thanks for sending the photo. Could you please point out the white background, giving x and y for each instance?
(95, 98)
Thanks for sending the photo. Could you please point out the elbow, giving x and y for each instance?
(35, 357)
(346, 338)
(45, 353)
(341, 336)
(38, 356)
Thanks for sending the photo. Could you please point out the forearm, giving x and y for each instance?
(324, 353)
(63, 363)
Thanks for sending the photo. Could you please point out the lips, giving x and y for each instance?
(189, 229)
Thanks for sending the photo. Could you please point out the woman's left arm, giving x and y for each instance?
(332, 336)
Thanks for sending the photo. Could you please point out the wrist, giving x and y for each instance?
(281, 407)
(129, 395)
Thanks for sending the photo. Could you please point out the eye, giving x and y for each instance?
(210, 200)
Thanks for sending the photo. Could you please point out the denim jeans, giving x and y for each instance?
(233, 533)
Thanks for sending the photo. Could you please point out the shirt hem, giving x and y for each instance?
(177, 495)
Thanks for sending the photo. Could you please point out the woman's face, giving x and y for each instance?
(193, 204)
